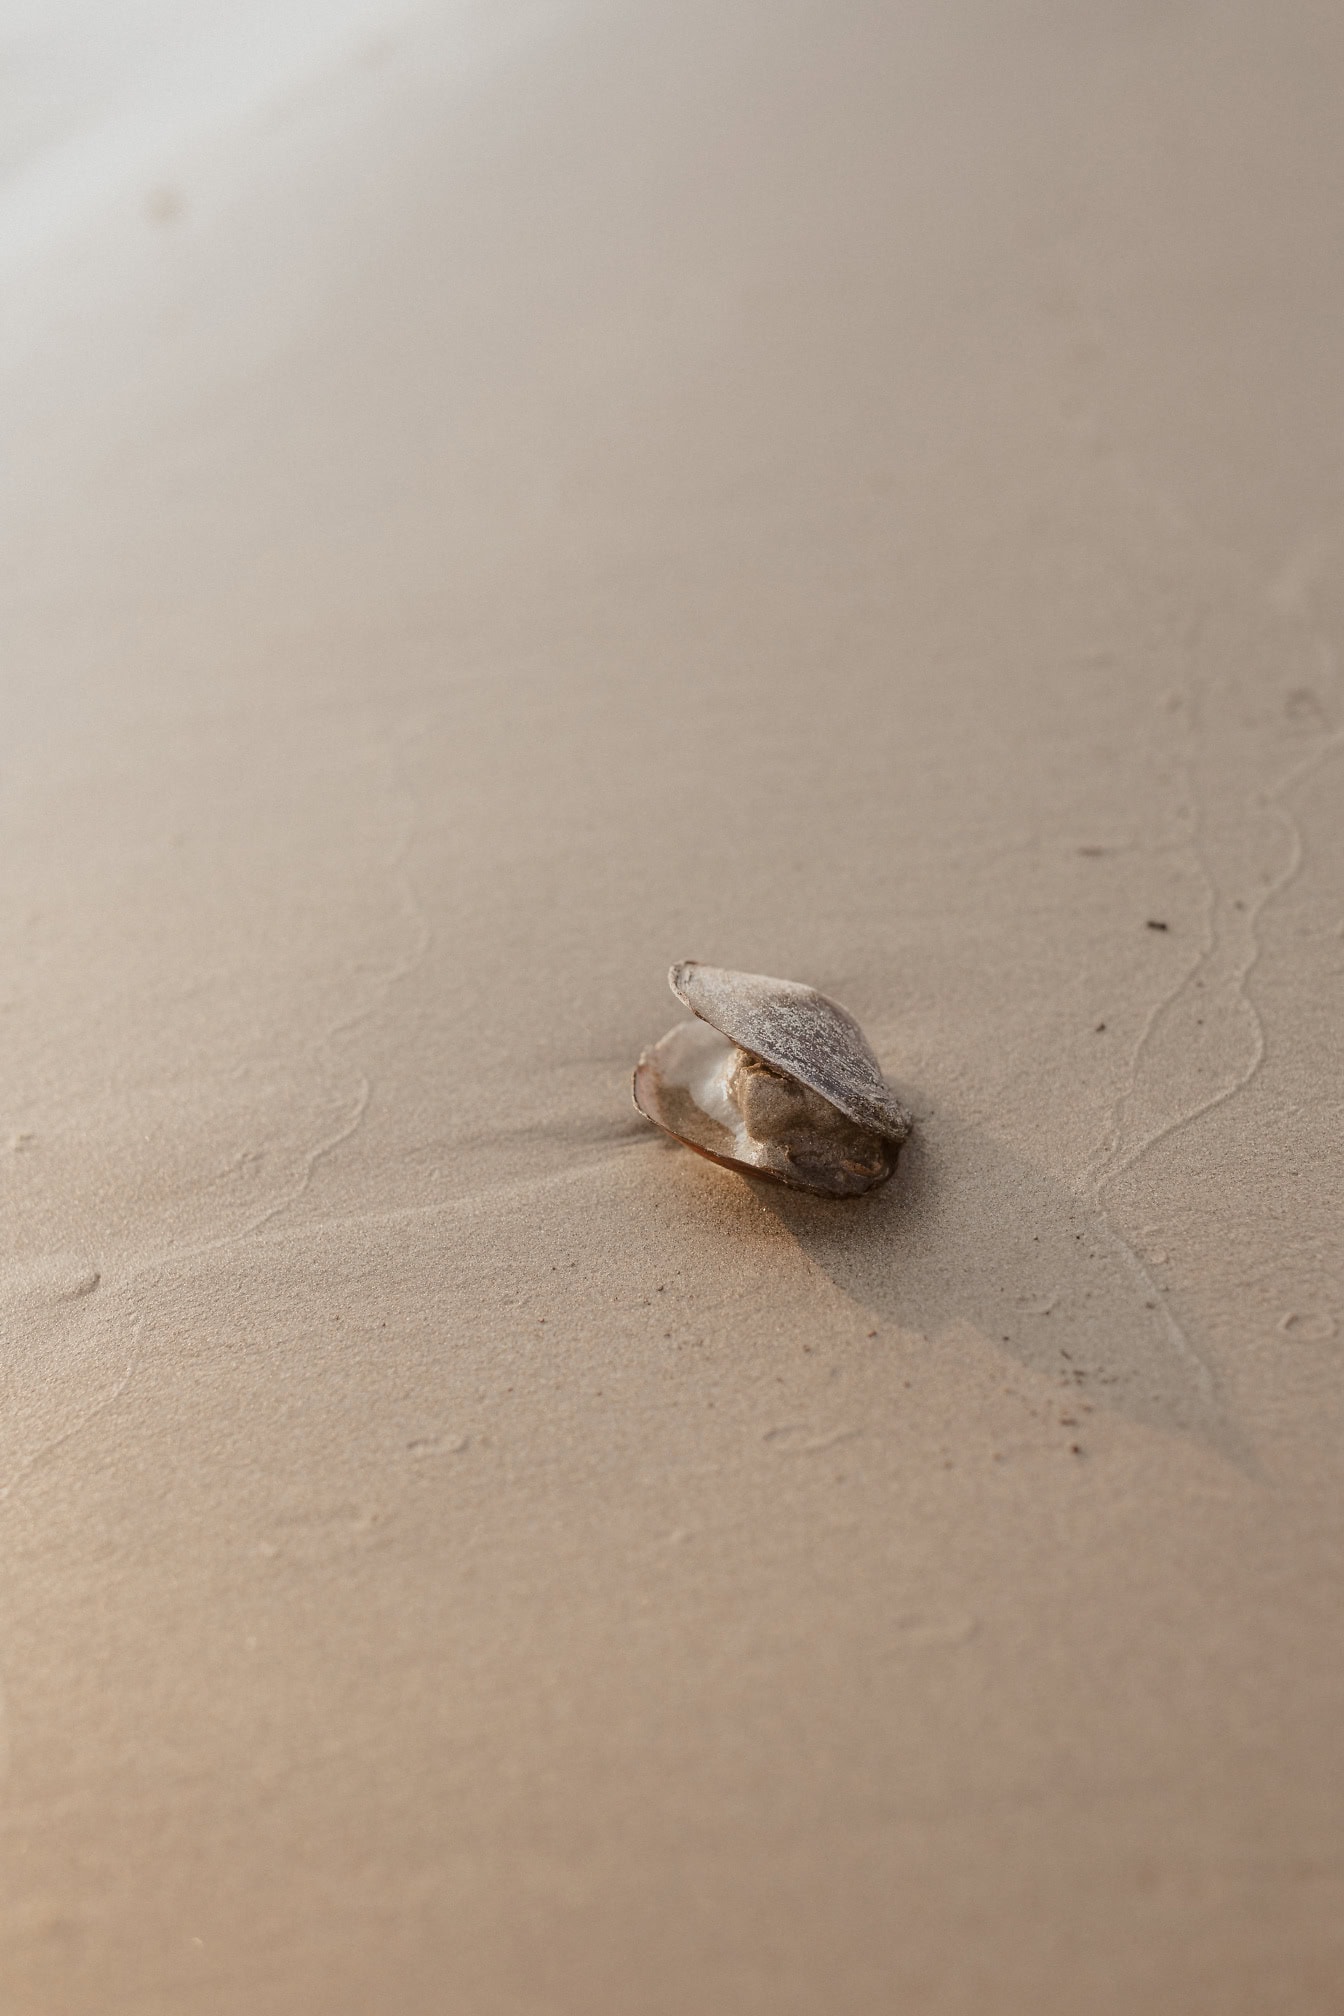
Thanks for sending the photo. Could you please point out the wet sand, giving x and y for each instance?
(493, 503)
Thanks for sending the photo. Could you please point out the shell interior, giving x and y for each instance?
(730, 1104)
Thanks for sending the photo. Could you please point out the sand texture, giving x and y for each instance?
(494, 500)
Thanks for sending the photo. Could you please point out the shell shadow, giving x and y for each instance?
(969, 1233)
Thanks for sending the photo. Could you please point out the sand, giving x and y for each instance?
(495, 501)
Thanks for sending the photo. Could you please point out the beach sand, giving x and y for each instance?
(495, 501)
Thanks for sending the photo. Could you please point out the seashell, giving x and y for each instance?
(773, 1079)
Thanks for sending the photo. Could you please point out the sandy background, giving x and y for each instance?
(496, 499)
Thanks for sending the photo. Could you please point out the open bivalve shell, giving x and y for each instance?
(773, 1079)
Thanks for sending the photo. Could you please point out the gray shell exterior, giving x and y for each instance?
(799, 1031)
